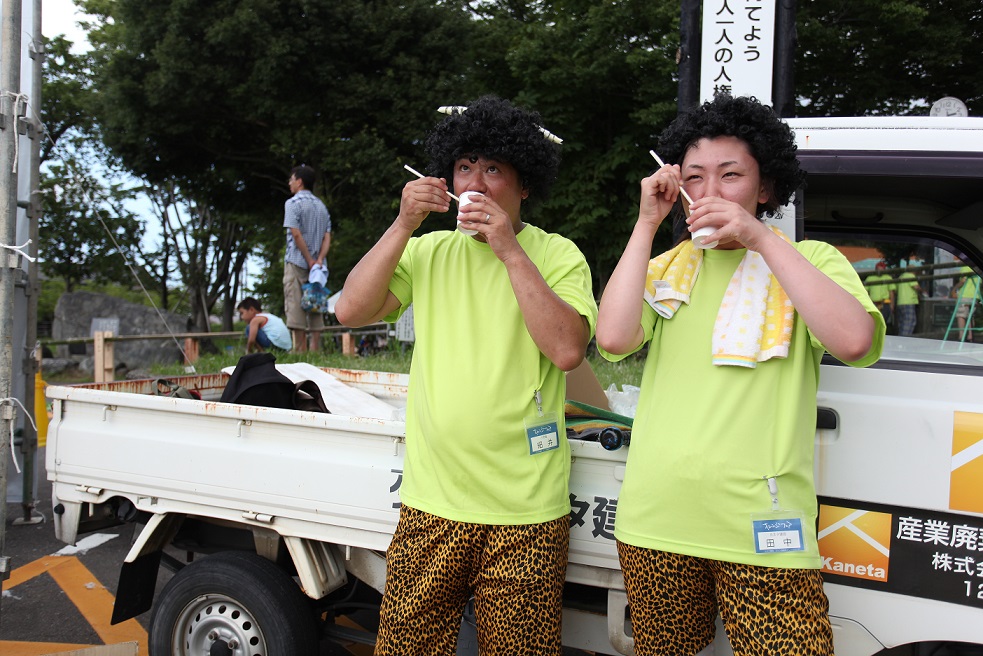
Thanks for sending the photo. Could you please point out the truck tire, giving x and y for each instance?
(237, 598)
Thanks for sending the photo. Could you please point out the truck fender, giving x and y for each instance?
(320, 565)
(367, 566)
(66, 516)
(138, 575)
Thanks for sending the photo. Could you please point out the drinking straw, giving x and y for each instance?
(420, 175)
(661, 163)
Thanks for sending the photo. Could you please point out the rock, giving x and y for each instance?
(55, 366)
(74, 313)
(138, 374)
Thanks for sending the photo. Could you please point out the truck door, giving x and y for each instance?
(899, 445)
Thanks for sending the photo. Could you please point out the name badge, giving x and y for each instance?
(543, 433)
(777, 532)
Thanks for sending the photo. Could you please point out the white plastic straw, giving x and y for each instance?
(420, 175)
(661, 163)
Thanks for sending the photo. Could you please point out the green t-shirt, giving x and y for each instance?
(705, 438)
(968, 291)
(879, 292)
(473, 378)
(906, 289)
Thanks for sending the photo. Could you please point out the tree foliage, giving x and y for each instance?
(226, 96)
(864, 57)
(66, 89)
(602, 76)
(205, 252)
(86, 231)
(218, 99)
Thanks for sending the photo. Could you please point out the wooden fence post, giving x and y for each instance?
(103, 366)
(190, 350)
(347, 344)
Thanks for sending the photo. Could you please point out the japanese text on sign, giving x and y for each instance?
(924, 553)
(738, 48)
(957, 549)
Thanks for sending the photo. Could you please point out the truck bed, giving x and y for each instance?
(323, 477)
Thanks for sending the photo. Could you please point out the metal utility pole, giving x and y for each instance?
(30, 363)
(783, 83)
(10, 45)
(688, 60)
(690, 41)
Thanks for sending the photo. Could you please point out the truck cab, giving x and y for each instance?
(899, 445)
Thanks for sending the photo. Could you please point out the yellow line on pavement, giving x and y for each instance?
(90, 596)
(95, 603)
(30, 570)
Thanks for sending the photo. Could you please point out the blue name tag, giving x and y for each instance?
(777, 534)
(543, 437)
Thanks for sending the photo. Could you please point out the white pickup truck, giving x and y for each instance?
(288, 513)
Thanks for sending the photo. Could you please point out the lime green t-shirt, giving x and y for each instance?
(968, 291)
(906, 289)
(880, 292)
(473, 378)
(705, 438)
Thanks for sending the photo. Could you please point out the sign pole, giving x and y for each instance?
(10, 47)
(785, 42)
(689, 56)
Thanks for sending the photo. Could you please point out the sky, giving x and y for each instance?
(59, 17)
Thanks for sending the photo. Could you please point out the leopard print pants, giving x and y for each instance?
(515, 574)
(674, 600)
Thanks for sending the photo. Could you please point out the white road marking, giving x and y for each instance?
(86, 543)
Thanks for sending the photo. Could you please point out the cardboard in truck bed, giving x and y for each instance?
(122, 649)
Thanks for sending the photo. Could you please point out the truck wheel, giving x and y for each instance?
(232, 603)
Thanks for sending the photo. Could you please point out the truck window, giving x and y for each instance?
(945, 326)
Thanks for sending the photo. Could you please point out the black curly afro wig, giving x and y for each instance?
(768, 138)
(495, 129)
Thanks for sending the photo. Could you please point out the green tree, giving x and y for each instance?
(206, 253)
(603, 77)
(864, 57)
(85, 231)
(224, 97)
(65, 93)
(220, 98)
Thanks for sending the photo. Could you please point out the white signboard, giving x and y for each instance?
(738, 48)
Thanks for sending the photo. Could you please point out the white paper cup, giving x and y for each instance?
(466, 197)
(698, 236)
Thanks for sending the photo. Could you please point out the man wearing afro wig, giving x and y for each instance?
(499, 316)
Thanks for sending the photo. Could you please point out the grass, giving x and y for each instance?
(392, 359)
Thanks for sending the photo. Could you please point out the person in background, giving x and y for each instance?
(882, 290)
(966, 290)
(499, 317)
(308, 227)
(908, 292)
(723, 440)
(263, 330)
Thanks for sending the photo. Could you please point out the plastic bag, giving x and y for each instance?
(318, 274)
(625, 401)
(314, 297)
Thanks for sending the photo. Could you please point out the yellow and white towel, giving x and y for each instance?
(754, 322)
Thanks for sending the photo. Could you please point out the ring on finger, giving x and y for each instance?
(487, 218)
